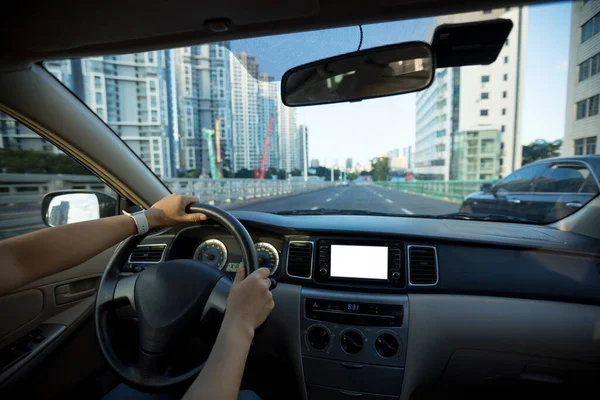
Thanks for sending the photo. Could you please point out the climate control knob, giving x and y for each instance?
(351, 341)
(318, 337)
(386, 345)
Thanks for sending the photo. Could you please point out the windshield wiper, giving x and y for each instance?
(485, 217)
(333, 211)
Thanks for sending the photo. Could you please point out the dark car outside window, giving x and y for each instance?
(519, 181)
(565, 179)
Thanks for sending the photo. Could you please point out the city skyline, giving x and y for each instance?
(161, 135)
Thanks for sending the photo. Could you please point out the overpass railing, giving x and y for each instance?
(454, 191)
(21, 194)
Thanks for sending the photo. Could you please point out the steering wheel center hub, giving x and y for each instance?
(170, 297)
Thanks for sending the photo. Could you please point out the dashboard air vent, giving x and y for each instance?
(148, 253)
(300, 259)
(422, 266)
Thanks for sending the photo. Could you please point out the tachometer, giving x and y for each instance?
(267, 256)
(212, 252)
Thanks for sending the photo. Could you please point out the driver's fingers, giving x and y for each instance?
(195, 217)
(240, 273)
(262, 273)
(189, 199)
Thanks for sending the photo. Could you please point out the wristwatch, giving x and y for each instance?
(139, 216)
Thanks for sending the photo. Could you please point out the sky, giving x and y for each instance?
(366, 129)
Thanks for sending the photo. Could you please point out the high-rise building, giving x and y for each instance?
(409, 154)
(582, 118)
(348, 163)
(244, 100)
(16, 136)
(289, 154)
(314, 163)
(303, 147)
(172, 111)
(203, 92)
(473, 99)
(129, 92)
(268, 96)
(477, 154)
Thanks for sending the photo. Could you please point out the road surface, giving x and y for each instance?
(355, 197)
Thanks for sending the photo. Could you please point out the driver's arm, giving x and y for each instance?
(34, 255)
(248, 305)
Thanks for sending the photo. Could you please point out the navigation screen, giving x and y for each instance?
(366, 262)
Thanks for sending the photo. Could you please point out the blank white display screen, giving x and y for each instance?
(367, 262)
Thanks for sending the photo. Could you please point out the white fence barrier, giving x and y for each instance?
(21, 194)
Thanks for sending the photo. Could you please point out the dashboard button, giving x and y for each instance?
(323, 271)
(396, 275)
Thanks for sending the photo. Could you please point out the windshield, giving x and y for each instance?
(209, 120)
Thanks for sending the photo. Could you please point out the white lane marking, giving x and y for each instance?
(328, 200)
(405, 211)
(380, 195)
(388, 200)
(315, 208)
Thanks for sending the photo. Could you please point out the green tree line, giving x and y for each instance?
(37, 162)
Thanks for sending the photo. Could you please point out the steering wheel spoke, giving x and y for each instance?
(217, 301)
(125, 290)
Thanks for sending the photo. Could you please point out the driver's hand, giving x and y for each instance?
(250, 301)
(170, 211)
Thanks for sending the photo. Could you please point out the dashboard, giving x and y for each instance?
(376, 307)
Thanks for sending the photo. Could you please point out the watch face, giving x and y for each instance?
(133, 209)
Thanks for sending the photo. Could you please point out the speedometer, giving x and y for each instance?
(212, 252)
(267, 256)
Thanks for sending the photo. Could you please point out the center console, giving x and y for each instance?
(353, 344)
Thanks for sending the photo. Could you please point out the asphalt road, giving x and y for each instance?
(356, 197)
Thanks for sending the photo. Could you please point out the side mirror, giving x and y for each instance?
(69, 206)
(486, 187)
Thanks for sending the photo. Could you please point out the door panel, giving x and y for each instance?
(34, 307)
(19, 309)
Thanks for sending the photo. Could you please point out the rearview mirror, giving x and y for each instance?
(382, 71)
(69, 206)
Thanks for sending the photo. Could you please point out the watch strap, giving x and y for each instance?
(140, 221)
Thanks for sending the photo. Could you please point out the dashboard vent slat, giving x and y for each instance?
(422, 266)
(300, 259)
(148, 253)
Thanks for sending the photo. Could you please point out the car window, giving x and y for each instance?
(560, 178)
(519, 181)
(30, 167)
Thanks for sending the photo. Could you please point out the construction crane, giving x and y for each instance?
(259, 173)
(208, 135)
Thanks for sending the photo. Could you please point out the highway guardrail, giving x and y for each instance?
(454, 191)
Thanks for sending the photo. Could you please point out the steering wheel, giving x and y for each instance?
(169, 299)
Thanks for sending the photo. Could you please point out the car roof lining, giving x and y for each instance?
(35, 31)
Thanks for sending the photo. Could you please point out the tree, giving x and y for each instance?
(364, 173)
(244, 173)
(381, 169)
(270, 173)
(352, 176)
(539, 150)
(281, 174)
(39, 162)
(296, 172)
(227, 173)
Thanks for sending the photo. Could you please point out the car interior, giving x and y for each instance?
(437, 308)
